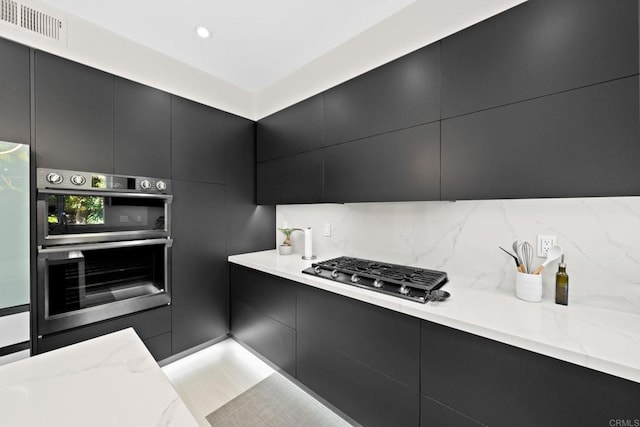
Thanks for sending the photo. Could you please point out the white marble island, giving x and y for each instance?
(108, 381)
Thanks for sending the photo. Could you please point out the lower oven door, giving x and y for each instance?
(83, 284)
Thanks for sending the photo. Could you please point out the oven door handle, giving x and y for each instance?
(167, 197)
(106, 245)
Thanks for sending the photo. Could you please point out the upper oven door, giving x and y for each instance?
(73, 217)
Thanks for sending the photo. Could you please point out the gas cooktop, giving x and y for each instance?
(415, 284)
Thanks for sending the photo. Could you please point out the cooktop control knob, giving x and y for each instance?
(404, 290)
(377, 283)
(161, 185)
(55, 178)
(317, 269)
(355, 278)
(145, 184)
(78, 180)
(334, 274)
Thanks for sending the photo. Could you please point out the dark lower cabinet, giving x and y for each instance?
(293, 179)
(396, 166)
(15, 123)
(362, 358)
(435, 414)
(152, 326)
(199, 286)
(501, 385)
(263, 314)
(579, 143)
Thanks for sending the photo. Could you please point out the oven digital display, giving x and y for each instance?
(98, 181)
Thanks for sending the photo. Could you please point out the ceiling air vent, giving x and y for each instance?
(31, 19)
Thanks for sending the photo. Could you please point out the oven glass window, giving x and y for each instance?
(83, 279)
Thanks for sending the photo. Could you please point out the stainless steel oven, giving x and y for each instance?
(104, 247)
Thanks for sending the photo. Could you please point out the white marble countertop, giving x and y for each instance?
(600, 339)
(108, 381)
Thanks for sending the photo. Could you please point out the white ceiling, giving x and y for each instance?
(253, 43)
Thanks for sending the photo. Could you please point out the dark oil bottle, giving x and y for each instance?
(562, 283)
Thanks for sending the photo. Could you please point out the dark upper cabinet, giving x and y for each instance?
(15, 125)
(197, 142)
(294, 130)
(142, 137)
(397, 95)
(250, 227)
(538, 48)
(397, 166)
(293, 179)
(199, 265)
(501, 385)
(573, 144)
(73, 115)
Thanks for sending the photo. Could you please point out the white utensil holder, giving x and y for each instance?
(529, 287)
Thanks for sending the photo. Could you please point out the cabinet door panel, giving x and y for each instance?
(199, 265)
(142, 130)
(498, 384)
(272, 339)
(397, 166)
(365, 395)
(294, 130)
(383, 340)
(574, 144)
(399, 94)
(435, 414)
(250, 227)
(294, 179)
(197, 142)
(269, 295)
(15, 125)
(538, 48)
(74, 115)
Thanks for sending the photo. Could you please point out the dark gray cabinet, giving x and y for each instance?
(249, 227)
(435, 414)
(152, 326)
(501, 385)
(263, 315)
(199, 284)
(73, 115)
(293, 179)
(402, 93)
(361, 358)
(397, 166)
(578, 143)
(538, 48)
(15, 123)
(197, 142)
(142, 128)
(294, 130)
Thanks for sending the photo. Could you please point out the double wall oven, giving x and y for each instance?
(104, 247)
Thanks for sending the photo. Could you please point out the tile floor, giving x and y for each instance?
(208, 379)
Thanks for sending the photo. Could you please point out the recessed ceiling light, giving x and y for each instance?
(203, 32)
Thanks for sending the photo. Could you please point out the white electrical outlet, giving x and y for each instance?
(545, 243)
(326, 230)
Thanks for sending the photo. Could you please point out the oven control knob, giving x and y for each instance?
(355, 278)
(145, 184)
(378, 283)
(404, 290)
(161, 185)
(334, 274)
(78, 180)
(317, 269)
(55, 178)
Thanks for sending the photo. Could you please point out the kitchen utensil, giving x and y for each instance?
(527, 256)
(554, 253)
(516, 250)
(515, 258)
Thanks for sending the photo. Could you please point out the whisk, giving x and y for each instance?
(527, 256)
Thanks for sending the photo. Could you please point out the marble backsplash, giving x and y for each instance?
(600, 238)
